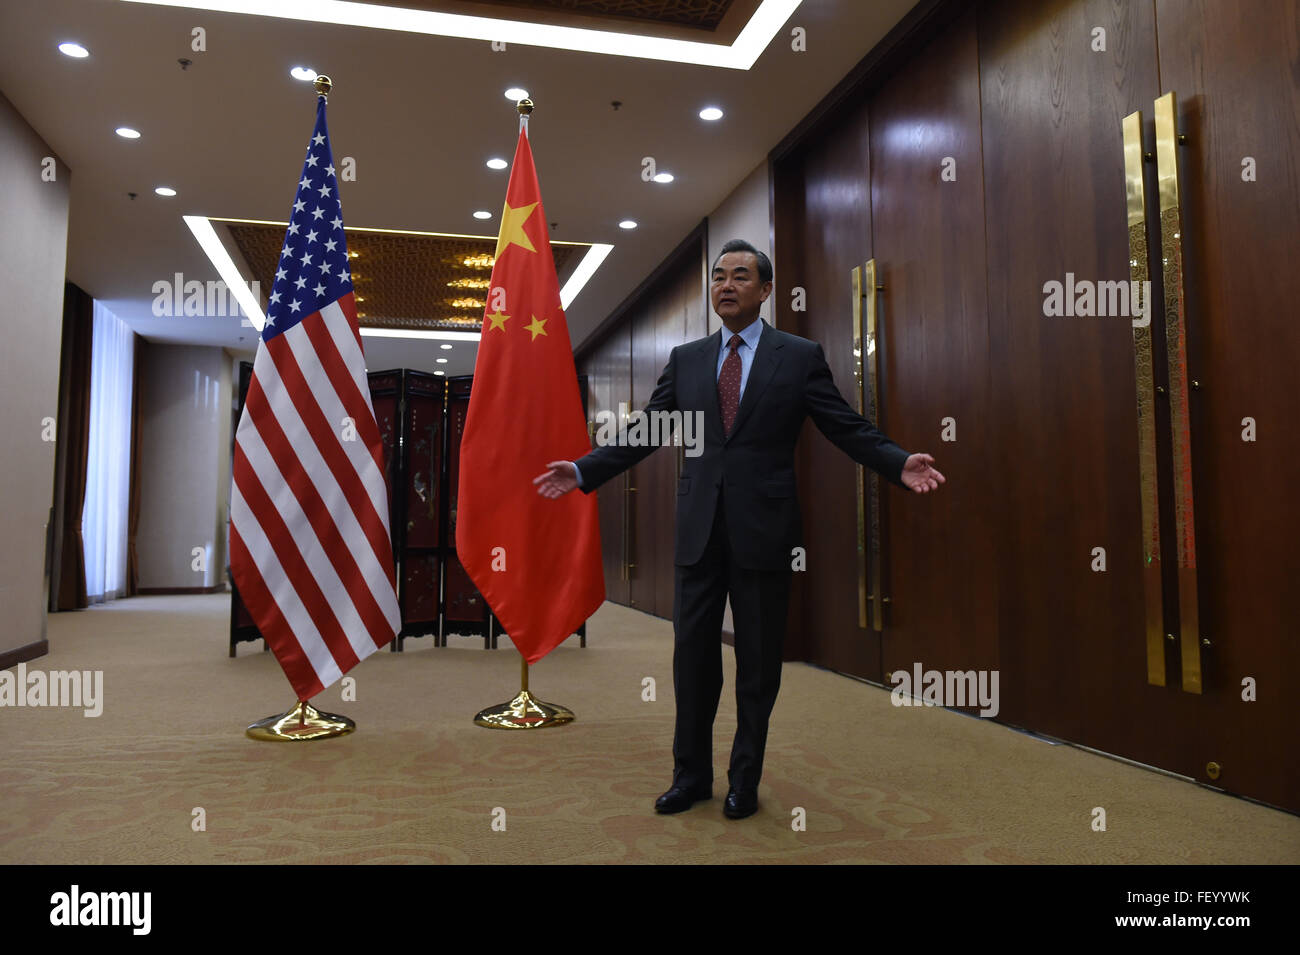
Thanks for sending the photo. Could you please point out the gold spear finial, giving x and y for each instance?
(323, 85)
(525, 106)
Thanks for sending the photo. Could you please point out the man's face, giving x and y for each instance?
(735, 290)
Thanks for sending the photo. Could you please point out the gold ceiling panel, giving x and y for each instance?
(402, 280)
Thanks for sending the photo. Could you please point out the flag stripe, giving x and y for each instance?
(344, 386)
(322, 415)
(340, 319)
(280, 594)
(301, 438)
(312, 473)
(301, 572)
(296, 500)
(276, 630)
(366, 461)
(348, 304)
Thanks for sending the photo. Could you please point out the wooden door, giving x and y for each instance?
(1232, 68)
(643, 516)
(823, 230)
(1057, 79)
(609, 366)
(938, 551)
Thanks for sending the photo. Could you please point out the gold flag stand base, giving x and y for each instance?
(303, 721)
(523, 712)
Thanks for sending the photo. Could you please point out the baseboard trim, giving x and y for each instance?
(30, 651)
(169, 591)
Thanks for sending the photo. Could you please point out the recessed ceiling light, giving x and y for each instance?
(444, 345)
(440, 372)
(496, 163)
(442, 361)
(515, 94)
(711, 113)
(165, 191)
(126, 132)
(304, 73)
(627, 224)
(664, 177)
(482, 214)
(74, 50)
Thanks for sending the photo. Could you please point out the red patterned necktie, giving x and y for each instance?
(729, 385)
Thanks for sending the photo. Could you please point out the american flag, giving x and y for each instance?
(310, 548)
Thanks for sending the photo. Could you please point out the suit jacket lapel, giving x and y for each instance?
(760, 373)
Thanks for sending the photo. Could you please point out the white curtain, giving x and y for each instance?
(108, 465)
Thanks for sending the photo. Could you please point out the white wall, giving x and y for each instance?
(33, 252)
(184, 464)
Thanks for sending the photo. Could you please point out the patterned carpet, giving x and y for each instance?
(418, 782)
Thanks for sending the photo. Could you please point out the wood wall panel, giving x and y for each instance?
(786, 178)
(670, 331)
(825, 190)
(643, 500)
(1233, 68)
(609, 369)
(1073, 654)
(627, 361)
(927, 212)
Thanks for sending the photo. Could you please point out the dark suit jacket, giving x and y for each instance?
(753, 467)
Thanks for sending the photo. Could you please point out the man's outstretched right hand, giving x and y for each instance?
(560, 478)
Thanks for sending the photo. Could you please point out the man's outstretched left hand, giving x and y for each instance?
(558, 479)
(920, 475)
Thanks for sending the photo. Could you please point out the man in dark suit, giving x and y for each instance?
(737, 512)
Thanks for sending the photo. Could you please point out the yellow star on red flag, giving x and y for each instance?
(538, 327)
(512, 228)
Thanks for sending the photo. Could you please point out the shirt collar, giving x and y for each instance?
(749, 334)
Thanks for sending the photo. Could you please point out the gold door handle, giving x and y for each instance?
(1171, 248)
(627, 527)
(866, 367)
(1144, 370)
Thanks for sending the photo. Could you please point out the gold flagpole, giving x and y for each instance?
(524, 712)
(302, 721)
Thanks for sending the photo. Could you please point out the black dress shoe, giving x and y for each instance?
(680, 798)
(740, 803)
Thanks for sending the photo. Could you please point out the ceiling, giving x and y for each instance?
(419, 115)
(400, 280)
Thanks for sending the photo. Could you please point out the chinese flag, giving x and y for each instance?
(536, 560)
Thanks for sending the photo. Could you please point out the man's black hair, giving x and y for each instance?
(740, 245)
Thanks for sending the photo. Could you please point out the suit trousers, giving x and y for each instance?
(760, 600)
